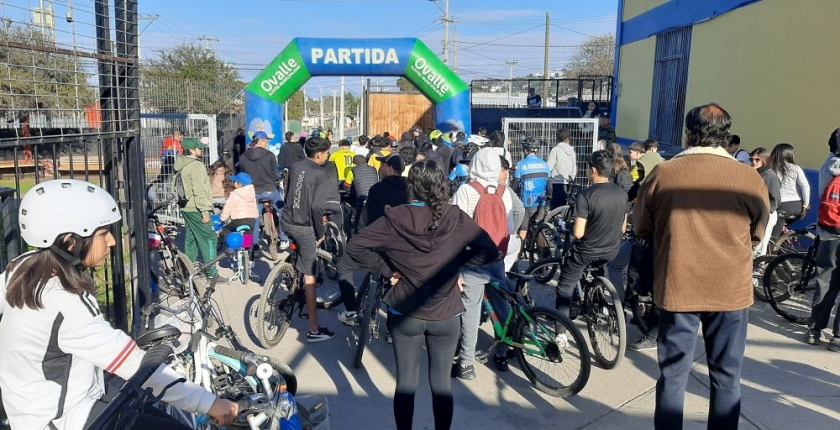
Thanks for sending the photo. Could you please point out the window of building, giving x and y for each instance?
(670, 78)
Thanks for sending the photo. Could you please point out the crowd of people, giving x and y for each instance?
(440, 216)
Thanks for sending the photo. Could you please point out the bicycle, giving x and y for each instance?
(283, 292)
(240, 261)
(367, 326)
(334, 243)
(541, 334)
(789, 282)
(170, 267)
(268, 229)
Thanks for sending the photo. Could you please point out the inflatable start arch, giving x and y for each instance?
(304, 58)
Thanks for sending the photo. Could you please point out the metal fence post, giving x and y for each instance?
(9, 221)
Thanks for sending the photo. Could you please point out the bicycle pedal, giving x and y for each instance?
(481, 357)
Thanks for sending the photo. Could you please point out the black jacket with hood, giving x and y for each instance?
(261, 164)
(390, 191)
(429, 261)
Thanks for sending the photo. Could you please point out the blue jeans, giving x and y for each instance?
(725, 337)
(275, 198)
(617, 268)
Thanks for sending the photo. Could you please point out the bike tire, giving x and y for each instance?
(370, 312)
(173, 273)
(334, 241)
(327, 263)
(543, 243)
(783, 280)
(270, 231)
(544, 330)
(244, 268)
(759, 267)
(605, 316)
(544, 291)
(275, 308)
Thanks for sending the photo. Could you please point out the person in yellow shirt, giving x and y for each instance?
(343, 159)
(381, 148)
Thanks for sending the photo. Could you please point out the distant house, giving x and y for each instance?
(773, 64)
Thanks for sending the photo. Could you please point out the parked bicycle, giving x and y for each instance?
(170, 267)
(367, 319)
(551, 351)
(283, 293)
(269, 234)
(789, 281)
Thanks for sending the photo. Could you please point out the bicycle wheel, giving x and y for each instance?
(605, 323)
(244, 267)
(274, 312)
(759, 267)
(334, 240)
(789, 286)
(544, 290)
(173, 272)
(553, 356)
(543, 243)
(364, 330)
(270, 232)
(327, 263)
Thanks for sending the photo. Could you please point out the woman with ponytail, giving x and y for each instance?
(421, 247)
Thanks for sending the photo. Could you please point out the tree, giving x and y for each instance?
(595, 57)
(190, 79)
(36, 79)
(405, 86)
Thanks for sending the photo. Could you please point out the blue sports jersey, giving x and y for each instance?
(533, 173)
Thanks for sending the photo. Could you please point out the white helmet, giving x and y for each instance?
(477, 140)
(61, 206)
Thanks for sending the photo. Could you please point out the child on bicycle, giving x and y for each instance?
(55, 340)
(600, 219)
(241, 207)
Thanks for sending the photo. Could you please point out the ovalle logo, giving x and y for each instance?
(436, 81)
(285, 70)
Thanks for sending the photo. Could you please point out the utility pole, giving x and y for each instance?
(321, 103)
(455, 51)
(335, 126)
(341, 111)
(305, 110)
(151, 19)
(207, 41)
(545, 65)
(447, 19)
(511, 63)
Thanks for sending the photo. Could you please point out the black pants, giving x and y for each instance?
(150, 419)
(441, 339)
(828, 287)
(791, 209)
(558, 194)
(346, 266)
(725, 338)
(572, 272)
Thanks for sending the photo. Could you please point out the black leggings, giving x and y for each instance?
(150, 419)
(441, 338)
(791, 210)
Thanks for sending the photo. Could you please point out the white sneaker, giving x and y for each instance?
(348, 318)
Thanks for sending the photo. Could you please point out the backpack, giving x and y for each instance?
(829, 215)
(490, 214)
(180, 191)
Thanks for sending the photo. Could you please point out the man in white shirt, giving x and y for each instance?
(563, 164)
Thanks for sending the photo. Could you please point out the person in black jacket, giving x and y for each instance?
(303, 220)
(392, 190)
(261, 165)
(421, 247)
(290, 153)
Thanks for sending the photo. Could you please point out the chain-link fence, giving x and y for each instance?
(70, 109)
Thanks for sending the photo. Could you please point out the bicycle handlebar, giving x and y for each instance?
(133, 388)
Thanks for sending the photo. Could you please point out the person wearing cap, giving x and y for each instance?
(533, 100)
(261, 165)
(443, 153)
(303, 220)
(200, 236)
(391, 190)
(240, 210)
(605, 129)
(381, 149)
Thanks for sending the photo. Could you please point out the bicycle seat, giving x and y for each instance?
(518, 277)
(243, 228)
(157, 334)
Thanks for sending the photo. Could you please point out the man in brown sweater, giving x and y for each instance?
(703, 213)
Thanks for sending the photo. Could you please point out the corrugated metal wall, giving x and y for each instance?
(670, 79)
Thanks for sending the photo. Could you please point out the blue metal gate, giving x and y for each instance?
(670, 78)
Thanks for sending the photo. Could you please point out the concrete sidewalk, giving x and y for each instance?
(786, 384)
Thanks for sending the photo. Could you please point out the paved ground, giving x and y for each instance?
(786, 384)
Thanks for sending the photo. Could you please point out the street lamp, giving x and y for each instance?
(511, 63)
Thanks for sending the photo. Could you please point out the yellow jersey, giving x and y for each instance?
(373, 162)
(342, 159)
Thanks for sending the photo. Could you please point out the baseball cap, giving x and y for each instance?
(243, 178)
(394, 160)
(605, 115)
(192, 143)
(260, 135)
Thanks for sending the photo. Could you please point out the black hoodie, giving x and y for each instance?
(390, 191)
(428, 260)
(261, 164)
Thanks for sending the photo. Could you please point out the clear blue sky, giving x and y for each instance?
(251, 32)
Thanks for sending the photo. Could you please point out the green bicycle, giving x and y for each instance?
(551, 351)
